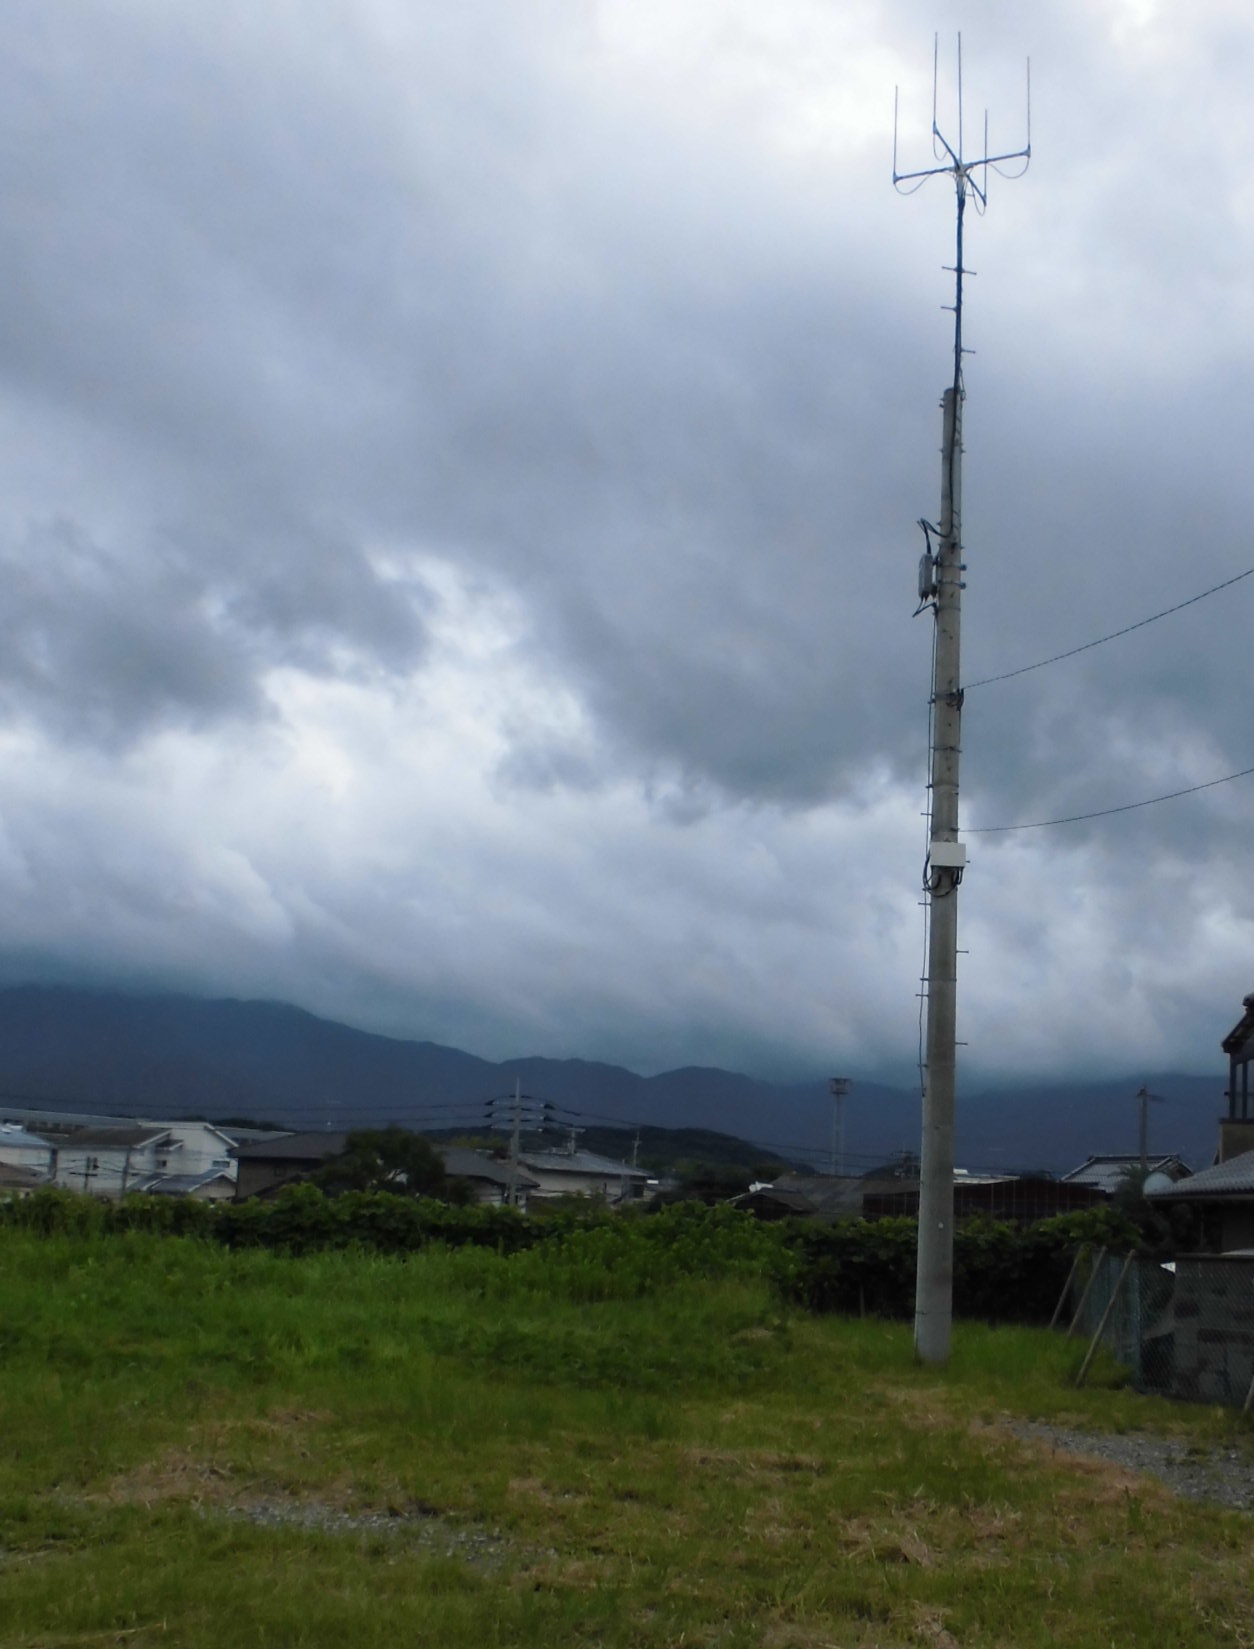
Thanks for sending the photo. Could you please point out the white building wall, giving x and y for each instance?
(198, 1148)
(110, 1170)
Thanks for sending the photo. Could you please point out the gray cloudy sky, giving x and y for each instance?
(458, 474)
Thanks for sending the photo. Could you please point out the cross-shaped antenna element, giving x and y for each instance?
(953, 163)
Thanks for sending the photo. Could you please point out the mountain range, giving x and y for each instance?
(87, 1050)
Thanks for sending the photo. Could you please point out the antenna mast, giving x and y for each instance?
(940, 588)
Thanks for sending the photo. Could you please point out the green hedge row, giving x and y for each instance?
(300, 1220)
(1001, 1272)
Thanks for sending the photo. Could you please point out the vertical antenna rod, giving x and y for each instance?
(940, 587)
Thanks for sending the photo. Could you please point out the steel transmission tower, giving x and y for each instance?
(940, 588)
(838, 1087)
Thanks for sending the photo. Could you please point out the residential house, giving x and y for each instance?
(55, 1125)
(491, 1180)
(195, 1149)
(109, 1162)
(1236, 1129)
(213, 1185)
(21, 1149)
(17, 1181)
(1222, 1198)
(817, 1196)
(775, 1202)
(201, 1149)
(1109, 1174)
(181, 1157)
(1021, 1199)
(894, 1190)
(583, 1174)
(266, 1165)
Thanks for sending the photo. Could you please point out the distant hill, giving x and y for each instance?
(183, 1056)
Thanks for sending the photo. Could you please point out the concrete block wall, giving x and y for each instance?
(1213, 1313)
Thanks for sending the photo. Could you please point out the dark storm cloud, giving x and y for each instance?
(590, 372)
(96, 645)
(307, 314)
(173, 251)
(590, 368)
(104, 644)
(584, 372)
(1105, 533)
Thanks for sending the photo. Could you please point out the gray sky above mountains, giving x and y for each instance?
(458, 475)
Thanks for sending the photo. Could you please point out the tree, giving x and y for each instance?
(1167, 1230)
(390, 1159)
(698, 1180)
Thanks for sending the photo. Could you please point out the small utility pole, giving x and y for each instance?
(940, 588)
(514, 1141)
(1144, 1096)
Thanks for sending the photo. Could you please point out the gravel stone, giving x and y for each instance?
(1222, 1475)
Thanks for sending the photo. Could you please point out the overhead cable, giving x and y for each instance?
(1105, 812)
(1007, 675)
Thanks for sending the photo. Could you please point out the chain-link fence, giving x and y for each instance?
(1184, 1327)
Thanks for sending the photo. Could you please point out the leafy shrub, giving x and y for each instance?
(858, 1267)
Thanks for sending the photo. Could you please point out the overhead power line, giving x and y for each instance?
(1055, 658)
(1105, 812)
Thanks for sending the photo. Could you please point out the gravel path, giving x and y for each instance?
(1222, 1475)
(486, 1549)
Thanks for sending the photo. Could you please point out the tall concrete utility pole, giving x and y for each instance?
(933, 1299)
(940, 588)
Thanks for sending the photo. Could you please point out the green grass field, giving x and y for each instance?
(211, 1448)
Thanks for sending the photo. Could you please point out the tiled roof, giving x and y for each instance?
(181, 1185)
(13, 1177)
(40, 1117)
(579, 1162)
(462, 1163)
(828, 1196)
(1234, 1178)
(120, 1139)
(313, 1147)
(19, 1139)
(795, 1202)
(1108, 1173)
